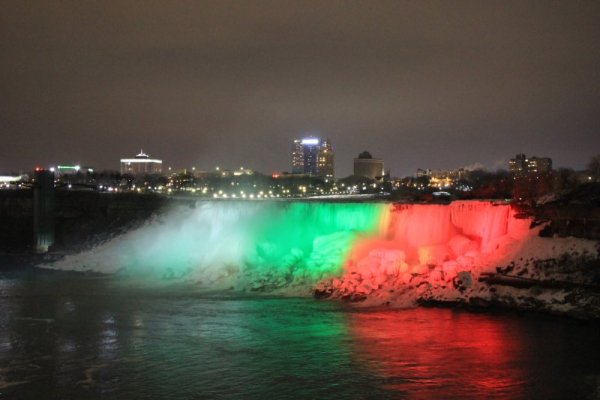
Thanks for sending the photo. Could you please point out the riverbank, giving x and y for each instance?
(472, 253)
(554, 275)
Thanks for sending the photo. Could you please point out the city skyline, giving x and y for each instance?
(324, 167)
(125, 164)
(422, 85)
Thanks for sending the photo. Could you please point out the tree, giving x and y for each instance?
(564, 178)
(593, 168)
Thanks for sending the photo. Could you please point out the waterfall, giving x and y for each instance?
(225, 242)
(270, 245)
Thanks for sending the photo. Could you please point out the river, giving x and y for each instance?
(75, 336)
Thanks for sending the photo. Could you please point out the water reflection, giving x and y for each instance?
(428, 352)
(433, 353)
(84, 338)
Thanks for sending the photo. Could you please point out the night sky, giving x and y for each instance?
(423, 84)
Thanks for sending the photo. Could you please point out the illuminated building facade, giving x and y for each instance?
(539, 165)
(368, 167)
(532, 176)
(325, 161)
(310, 149)
(518, 165)
(61, 170)
(521, 165)
(297, 157)
(311, 156)
(442, 178)
(142, 164)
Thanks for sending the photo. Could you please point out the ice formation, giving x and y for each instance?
(378, 253)
(241, 244)
(432, 241)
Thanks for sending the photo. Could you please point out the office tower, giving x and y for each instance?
(325, 160)
(311, 156)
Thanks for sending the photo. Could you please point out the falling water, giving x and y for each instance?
(264, 246)
(237, 243)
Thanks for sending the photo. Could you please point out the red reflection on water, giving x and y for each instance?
(433, 353)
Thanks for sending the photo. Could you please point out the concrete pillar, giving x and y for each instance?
(43, 210)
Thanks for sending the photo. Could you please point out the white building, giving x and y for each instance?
(142, 164)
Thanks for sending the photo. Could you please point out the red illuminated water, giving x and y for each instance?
(426, 352)
(71, 337)
(431, 243)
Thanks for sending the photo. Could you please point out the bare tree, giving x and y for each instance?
(593, 168)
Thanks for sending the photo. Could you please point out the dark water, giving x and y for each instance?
(73, 337)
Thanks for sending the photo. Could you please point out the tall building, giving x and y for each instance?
(142, 164)
(310, 150)
(518, 165)
(532, 176)
(368, 167)
(297, 157)
(539, 165)
(521, 165)
(311, 156)
(325, 162)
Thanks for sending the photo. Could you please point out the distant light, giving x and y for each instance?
(310, 141)
(9, 179)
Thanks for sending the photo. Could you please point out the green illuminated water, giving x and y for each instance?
(73, 336)
(311, 240)
(240, 244)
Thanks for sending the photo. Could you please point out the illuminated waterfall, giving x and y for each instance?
(262, 246)
(281, 242)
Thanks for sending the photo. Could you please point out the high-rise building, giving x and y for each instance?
(532, 176)
(521, 165)
(325, 161)
(311, 156)
(539, 164)
(297, 157)
(310, 149)
(142, 164)
(518, 165)
(368, 167)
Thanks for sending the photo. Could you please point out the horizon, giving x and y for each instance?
(419, 85)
